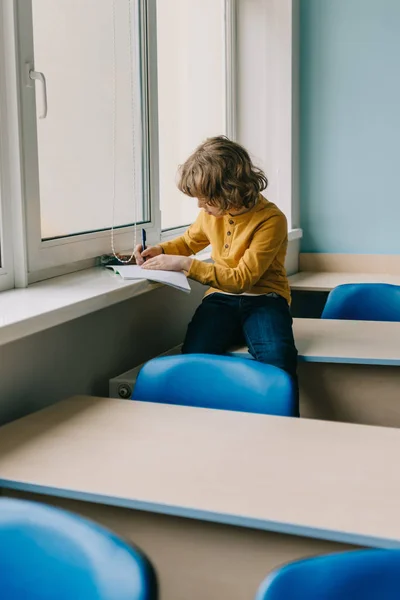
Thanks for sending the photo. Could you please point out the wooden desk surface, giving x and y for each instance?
(352, 342)
(318, 479)
(308, 281)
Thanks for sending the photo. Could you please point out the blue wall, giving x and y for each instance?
(350, 126)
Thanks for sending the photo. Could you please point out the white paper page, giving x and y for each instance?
(176, 279)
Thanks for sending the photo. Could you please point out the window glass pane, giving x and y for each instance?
(73, 47)
(191, 92)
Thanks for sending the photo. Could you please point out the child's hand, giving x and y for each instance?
(168, 262)
(148, 253)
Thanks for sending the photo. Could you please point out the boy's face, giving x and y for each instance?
(209, 209)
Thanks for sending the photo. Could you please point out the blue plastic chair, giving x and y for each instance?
(363, 574)
(49, 554)
(364, 302)
(221, 382)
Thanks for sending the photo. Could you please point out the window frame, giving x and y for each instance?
(230, 10)
(10, 189)
(82, 250)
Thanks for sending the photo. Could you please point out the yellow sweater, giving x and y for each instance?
(248, 251)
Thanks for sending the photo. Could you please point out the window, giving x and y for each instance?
(191, 92)
(101, 100)
(87, 98)
(75, 139)
(84, 86)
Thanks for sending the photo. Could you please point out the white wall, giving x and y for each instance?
(267, 94)
(79, 357)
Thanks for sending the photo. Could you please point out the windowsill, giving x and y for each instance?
(50, 303)
(295, 234)
(56, 301)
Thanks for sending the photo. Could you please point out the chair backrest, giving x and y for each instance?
(48, 554)
(366, 574)
(220, 382)
(364, 302)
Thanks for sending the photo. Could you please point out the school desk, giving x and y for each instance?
(307, 281)
(215, 498)
(348, 370)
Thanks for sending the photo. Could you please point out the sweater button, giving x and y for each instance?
(226, 245)
(229, 233)
(231, 222)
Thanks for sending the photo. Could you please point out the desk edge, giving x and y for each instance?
(342, 537)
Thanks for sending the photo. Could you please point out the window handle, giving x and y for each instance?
(33, 76)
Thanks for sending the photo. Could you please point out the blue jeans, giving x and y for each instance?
(263, 323)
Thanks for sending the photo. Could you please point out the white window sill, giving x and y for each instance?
(55, 301)
(49, 303)
(295, 234)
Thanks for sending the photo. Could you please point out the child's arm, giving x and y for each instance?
(264, 247)
(191, 242)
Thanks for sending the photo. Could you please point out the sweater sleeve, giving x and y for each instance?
(191, 242)
(264, 247)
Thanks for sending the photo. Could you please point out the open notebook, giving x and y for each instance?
(175, 279)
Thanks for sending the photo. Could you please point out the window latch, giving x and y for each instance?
(31, 77)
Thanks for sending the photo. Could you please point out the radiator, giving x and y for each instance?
(122, 385)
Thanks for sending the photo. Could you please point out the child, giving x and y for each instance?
(249, 295)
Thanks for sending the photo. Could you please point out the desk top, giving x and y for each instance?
(326, 281)
(351, 342)
(318, 479)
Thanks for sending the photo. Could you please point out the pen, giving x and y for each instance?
(143, 240)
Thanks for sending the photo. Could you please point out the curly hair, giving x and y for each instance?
(221, 171)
